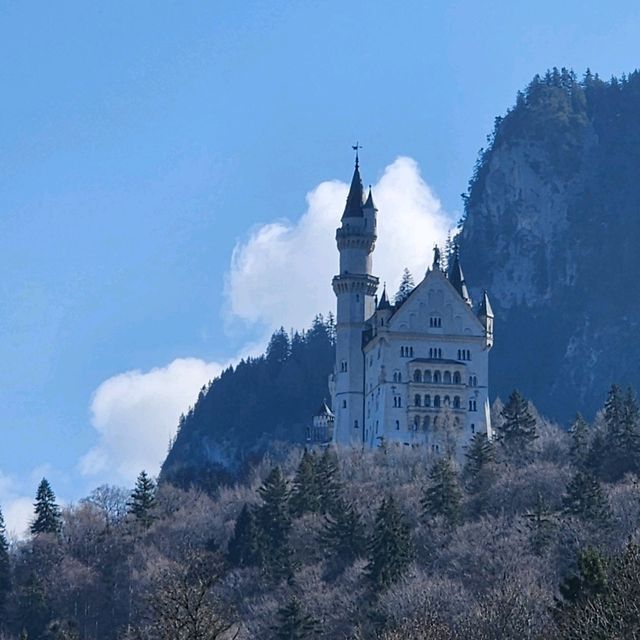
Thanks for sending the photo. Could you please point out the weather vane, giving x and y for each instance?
(355, 147)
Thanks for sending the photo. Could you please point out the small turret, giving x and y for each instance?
(355, 199)
(456, 278)
(485, 314)
(384, 310)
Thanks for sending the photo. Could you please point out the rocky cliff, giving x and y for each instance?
(552, 224)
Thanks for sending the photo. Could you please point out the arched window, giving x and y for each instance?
(416, 423)
(436, 377)
(456, 377)
(447, 377)
(436, 401)
(427, 375)
(427, 400)
(447, 401)
(425, 422)
(397, 425)
(456, 402)
(417, 400)
(417, 375)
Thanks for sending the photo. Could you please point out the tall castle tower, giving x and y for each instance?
(355, 288)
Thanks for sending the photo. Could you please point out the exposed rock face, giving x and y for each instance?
(552, 227)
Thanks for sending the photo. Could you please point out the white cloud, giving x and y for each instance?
(281, 275)
(16, 509)
(136, 414)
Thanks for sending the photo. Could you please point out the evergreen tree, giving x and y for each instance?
(47, 513)
(343, 535)
(143, 500)
(305, 494)
(479, 470)
(294, 623)
(541, 525)
(328, 481)
(579, 449)
(279, 347)
(588, 579)
(274, 524)
(517, 433)
(585, 499)
(442, 496)
(242, 550)
(389, 548)
(5, 571)
(406, 287)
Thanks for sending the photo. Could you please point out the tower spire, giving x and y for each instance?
(355, 199)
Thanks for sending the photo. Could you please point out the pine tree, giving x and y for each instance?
(442, 496)
(479, 471)
(328, 479)
(5, 570)
(585, 499)
(517, 433)
(294, 623)
(579, 449)
(406, 287)
(589, 578)
(143, 500)
(389, 548)
(47, 513)
(274, 524)
(242, 550)
(305, 494)
(541, 525)
(343, 535)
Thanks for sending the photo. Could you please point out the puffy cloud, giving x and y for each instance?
(136, 414)
(16, 509)
(281, 274)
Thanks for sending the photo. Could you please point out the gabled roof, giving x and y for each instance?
(353, 208)
(433, 273)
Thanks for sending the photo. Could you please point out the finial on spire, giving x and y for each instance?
(355, 147)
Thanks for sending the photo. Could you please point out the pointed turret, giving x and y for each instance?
(384, 300)
(369, 202)
(353, 208)
(456, 278)
(485, 314)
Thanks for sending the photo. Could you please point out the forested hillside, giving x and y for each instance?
(533, 535)
(252, 406)
(551, 230)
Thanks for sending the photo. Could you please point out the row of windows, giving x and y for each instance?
(435, 321)
(406, 352)
(417, 401)
(437, 377)
(464, 354)
(435, 352)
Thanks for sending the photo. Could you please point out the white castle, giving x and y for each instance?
(415, 372)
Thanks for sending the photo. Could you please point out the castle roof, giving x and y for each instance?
(384, 300)
(456, 278)
(369, 203)
(485, 306)
(353, 208)
(324, 410)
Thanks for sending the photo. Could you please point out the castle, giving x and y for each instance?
(413, 372)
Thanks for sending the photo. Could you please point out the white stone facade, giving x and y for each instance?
(415, 373)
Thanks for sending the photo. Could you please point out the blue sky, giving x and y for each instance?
(141, 143)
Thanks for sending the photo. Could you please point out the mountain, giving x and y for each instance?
(551, 230)
(249, 407)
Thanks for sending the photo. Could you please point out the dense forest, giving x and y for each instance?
(530, 535)
(551, 230)
(239, 415)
